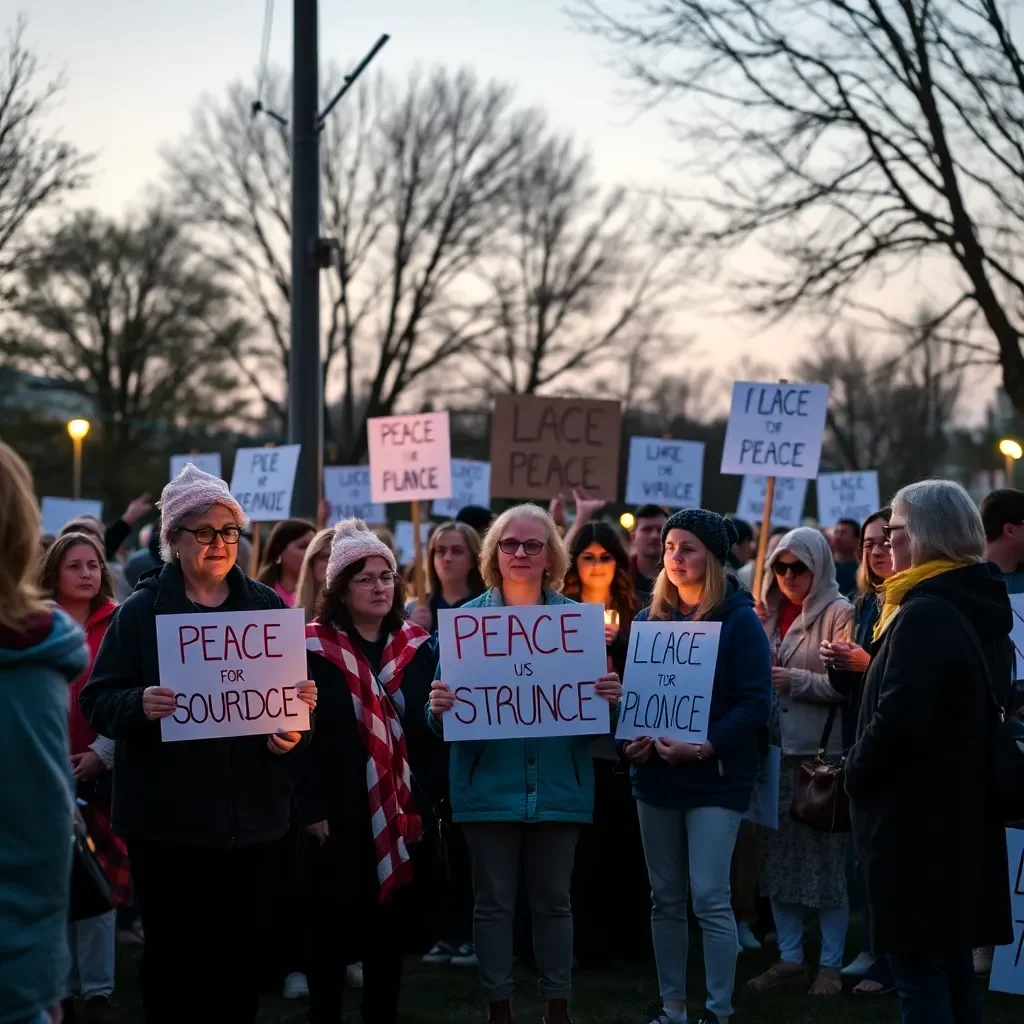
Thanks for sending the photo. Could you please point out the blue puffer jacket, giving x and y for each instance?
(740, 702)
(527, 780)
(36, 802)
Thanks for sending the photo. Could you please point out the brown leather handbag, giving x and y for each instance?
(819, 791)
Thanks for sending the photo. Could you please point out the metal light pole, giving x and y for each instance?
(305, 369)
(77, 429)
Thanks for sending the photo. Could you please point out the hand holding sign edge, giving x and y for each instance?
(608, 686)
(441, 698)
(157, 702)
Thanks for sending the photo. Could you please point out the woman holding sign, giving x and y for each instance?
(522, 801)
(803, 869)
(691, 797)
(202, 819)
(354, 788)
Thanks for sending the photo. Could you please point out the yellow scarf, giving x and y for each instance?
(895, 588)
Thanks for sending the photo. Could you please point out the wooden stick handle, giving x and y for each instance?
(417, 566)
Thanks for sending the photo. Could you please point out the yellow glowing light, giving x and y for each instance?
(77, 429)
(1011, 449)
(627, 520)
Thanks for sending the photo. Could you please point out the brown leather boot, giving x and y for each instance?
(557, 1012)
(500, 1013)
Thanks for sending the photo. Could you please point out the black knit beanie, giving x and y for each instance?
(715, 532)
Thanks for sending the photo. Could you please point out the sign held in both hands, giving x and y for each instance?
(524, 671)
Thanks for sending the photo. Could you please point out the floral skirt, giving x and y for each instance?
(799, 864)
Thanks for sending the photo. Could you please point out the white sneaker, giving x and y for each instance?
(859, 966)
(295, 987)
(354, 975)
(440, 953)
(747, 939)
(465, 956)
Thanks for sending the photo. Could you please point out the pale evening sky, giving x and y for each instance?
(136, 70)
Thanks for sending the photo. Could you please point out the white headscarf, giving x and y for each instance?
(812, 549)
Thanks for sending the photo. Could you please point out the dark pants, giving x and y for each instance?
(379, 940)
(452, 898)
(937, 990)
(203, 912)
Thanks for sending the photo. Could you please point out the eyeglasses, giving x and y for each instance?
(872, 545)
(602, 559)
(207, 534)
(790, 569)
(385, 579)
(890, 530)
(511, 546)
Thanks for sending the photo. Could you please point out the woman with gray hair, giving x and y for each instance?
(929, 838)
(803, 870)
(201, 819)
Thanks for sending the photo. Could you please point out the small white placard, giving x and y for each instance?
(847, 496)
(208, 462)
(471, 485)
(664, 472)
(263, 481)
(58, 512)
(524, 671)
(405, 539)
(775, 429)
(233, 673)
(410, 457)
(787, 508)
(1008, 962)
(670, 673)
(347, 488)
(764, 800)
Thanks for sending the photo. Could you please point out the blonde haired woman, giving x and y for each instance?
(41, 652)
(453, 573)
(521, 802)
(309, 591)
(691, 797)
(802, 869)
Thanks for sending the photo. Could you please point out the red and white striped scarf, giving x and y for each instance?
(393, 816)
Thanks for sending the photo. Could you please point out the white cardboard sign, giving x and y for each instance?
(58, 512)
(524, 671)
(664, 472)
(1017, 634)
(410, 457)
(233, 673)
(347, 488)
(764, 799)
(471, 485)
(670, 673)
(775, 430)
(263, 480)
(1008, 962)
(847, 496)
(405, 539)
(208, 462)
(787, 508)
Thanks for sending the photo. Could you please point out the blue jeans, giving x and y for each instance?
(937, 990)
(692, 850)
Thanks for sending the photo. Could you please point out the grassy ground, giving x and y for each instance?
(445, 995)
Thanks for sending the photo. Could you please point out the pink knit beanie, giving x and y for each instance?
(193, 489)
(352, 542)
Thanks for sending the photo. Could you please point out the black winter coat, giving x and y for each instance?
(330, 778)
(932, 849)
(209, 793)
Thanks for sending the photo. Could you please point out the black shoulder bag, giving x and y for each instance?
(819, 790)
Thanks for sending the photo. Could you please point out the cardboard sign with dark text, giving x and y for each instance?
(1008, 962)
(788, 507)
(410, 457)
(208, 462)
(347, 488)
(233, 673)
(775, 430)
(847, 496)
(263, 480)
(670, 673)
(664, 472)
(525, 671)
(541, 447)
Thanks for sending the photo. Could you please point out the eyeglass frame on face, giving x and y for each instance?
(531, 548)
(386, 580)
(214, 534)
(888, 531)
(793, 569)
(869, 545)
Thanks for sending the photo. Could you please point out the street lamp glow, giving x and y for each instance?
(77, 429)
(627, 520)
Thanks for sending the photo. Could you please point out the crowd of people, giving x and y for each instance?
(318, 861)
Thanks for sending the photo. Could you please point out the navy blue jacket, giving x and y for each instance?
(740, 702)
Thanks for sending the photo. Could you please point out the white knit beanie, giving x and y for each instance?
(353, 541)
(192, 489)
